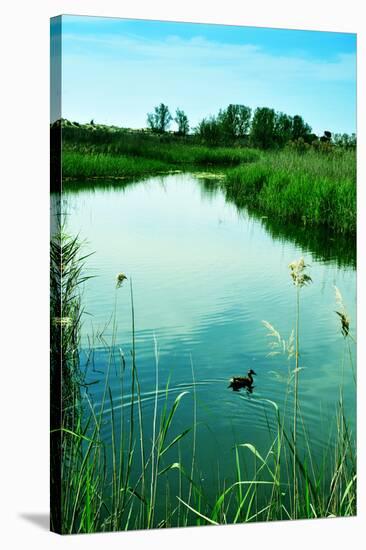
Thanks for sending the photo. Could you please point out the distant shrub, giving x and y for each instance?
(299, 145)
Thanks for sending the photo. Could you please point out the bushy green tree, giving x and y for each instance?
(262, 132)
(234, 121)
(345, 141)
(300, 129)
(182, 122)
(209, 130)
(160, 119)
(283, 128)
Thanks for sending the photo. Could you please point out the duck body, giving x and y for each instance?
(238, 382)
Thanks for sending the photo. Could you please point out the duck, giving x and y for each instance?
(238, 382)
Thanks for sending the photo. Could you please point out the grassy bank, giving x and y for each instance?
(102, 153)
(307, 189)
(79, 166)
(88, 164)
(117, 484)
(172, 150)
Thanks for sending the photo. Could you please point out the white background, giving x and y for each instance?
(24, 390)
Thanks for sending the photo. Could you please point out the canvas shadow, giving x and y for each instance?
(41, 520)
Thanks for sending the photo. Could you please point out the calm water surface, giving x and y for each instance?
(205, 276)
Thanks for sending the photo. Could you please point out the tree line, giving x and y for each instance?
(264, 128)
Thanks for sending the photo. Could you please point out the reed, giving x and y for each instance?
(310, 189)
(171, 150)
(66, 376)
(77, 165)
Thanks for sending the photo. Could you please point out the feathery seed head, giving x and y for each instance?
(297, 271)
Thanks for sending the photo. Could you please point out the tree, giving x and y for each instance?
(209, 130)
(262, 132)
(160, 119)
(300, 129)
(326, 137)
(235, 121)
(182, 121)
(345, 141)
(283, 128)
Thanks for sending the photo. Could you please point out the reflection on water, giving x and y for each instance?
(319, 241)
(205, 276)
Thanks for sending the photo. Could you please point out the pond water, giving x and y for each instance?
(205, 275)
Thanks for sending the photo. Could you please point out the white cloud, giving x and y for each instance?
(196, 51)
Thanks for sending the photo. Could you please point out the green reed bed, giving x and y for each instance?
(91, 164)
(175, 154)
(88, 154)
(308, 189)
(165, 147)
(118, 482)
(76, 165)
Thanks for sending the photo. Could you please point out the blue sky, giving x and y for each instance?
(115, 71)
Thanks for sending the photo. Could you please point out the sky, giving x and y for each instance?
(115, 71)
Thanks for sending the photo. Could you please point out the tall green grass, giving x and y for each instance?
(100, 153)
(168, 149)
(77, 165)
(93, 164)
(118, 483)
(307, 189)
(66, 376)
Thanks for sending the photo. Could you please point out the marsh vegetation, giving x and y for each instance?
(194, 282)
